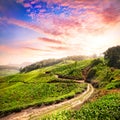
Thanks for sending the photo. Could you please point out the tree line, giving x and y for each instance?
(50, 62)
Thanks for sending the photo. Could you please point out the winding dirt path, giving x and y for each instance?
(34, 113)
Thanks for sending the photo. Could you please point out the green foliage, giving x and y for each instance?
(91, 74)
(41, 64)
(72, 70)
(41, 86)
(113, 84)
(100, 74)
(34, 88)
(96, 62)
(112, 55)
(105, 108)
(63, 115)
(50, 62)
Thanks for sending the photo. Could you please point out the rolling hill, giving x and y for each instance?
(54, 83)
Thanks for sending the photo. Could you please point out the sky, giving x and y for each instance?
(33, 30)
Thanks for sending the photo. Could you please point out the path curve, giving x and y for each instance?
(74, 80)
(33, 113)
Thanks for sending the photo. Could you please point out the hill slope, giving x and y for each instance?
(36, 88)
(104, 108)
(41, 87)
(104, 104)
(50, 62)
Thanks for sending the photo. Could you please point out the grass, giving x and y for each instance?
(34, 88)
(72, 70)
(38, 88)
(113, 84)
(104, 75)
(104, 108)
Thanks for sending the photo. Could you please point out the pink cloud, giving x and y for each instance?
(82, 10)
(59, 48)
(18, 55)
(47, 40)
(31, 48)
(10, 50)
(28, 10)
(84, 27)
(27, 5)
(31, 26)
(3, 47)
(87, 17)
(111, 14)
(32, 2)
(36, 49)
(38, 6)
(90, 20)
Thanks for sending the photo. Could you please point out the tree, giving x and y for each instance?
(112, 56)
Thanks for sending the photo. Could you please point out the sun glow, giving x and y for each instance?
(53, 29)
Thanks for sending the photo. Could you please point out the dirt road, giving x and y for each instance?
(34, 113)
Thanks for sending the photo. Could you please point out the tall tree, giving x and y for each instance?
(112, 56)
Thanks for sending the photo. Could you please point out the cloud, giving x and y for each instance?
(80, 15)
(23, 24)
(48, 40)
(31, 48)
(36, 49)
(73, 13)
(27, 5)
(35, 27)
(67, 27)
(111, 14)
(17, 55)
(5, 49)
(59, 48)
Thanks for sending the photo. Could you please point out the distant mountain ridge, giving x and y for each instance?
(8, 67)
(16, 65)
(8, 70)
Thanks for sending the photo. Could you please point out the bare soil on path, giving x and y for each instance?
(35, 113)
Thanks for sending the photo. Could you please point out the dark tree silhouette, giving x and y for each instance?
(112, 56)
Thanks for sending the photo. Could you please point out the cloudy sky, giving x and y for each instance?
(32, 30)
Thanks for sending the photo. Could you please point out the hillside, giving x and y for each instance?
(12, 87)
(50, 62)
(37, 88)
(62, 81)
(104, 103)
(104, 108)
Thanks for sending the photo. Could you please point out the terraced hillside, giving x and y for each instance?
(104, 103)
(53, 84)
(104, 108)
(37, 88)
